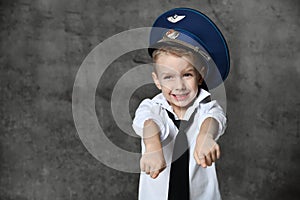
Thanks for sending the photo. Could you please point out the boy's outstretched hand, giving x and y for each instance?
(207, 150)
(153, 163)
(153, 160)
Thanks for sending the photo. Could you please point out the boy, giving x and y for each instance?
(177, 162)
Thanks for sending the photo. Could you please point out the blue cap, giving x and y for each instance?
(191, 29)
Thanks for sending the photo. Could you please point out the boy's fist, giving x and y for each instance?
(206, 151)
(153, 163)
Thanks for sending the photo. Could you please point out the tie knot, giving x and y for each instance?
(181, 124)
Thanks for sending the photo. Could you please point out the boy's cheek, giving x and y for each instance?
(166, 87)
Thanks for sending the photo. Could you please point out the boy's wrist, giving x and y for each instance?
(152, 146)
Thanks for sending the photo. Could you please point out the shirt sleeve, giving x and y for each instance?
(214, 110)
(149, 110)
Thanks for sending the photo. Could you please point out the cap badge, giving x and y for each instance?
(176, 18)
(172, 34)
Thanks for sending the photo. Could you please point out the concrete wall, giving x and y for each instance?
(43, 43)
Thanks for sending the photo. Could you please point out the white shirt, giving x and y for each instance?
(203, 181)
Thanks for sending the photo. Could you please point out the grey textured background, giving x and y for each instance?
(43, 43)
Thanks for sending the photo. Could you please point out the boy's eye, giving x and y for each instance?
(167, 77)
(188, 74)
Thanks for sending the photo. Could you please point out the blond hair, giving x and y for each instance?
(197, 60)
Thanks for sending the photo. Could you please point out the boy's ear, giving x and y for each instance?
(156, 81)
(200, 81)
(202, 73)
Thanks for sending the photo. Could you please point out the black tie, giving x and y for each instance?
(179, 173)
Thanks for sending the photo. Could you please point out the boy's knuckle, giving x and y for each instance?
(195, 156)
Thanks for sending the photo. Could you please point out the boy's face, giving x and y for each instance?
(178, 80)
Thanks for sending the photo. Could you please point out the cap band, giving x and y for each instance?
(195, 48)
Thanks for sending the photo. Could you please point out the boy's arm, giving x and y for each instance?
(207, 150)
(152, 161)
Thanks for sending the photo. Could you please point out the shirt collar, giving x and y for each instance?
(161, 100)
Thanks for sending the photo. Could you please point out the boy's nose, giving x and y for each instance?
(180, 84)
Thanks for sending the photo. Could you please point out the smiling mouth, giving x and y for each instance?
(180, 97)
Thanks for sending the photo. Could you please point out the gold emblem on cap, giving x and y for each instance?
(172, 34)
